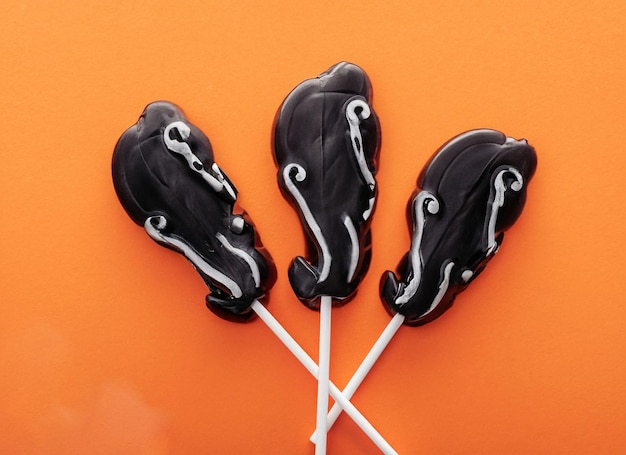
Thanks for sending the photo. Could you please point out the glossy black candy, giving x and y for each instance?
(167, 181)
(470, 192)
(326, 141)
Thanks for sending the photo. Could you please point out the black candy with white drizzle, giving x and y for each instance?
(470, 192)
(167, 181)
(326, 141)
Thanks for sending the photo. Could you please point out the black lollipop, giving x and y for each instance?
(326, 141)
(168, 182)
(470, 192)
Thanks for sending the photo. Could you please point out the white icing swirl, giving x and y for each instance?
(182, 148)
(498, 201)
(299, 176)
(154, 226)
(357, 146)
(423, 202)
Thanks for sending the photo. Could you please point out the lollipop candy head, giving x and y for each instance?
(167, 181)
(470, 192)
(326, 141)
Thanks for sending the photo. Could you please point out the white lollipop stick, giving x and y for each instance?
(323, 376)
(366, 365)
(312, 367)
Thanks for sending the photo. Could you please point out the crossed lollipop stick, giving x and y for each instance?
(340, 397)
(359, 375)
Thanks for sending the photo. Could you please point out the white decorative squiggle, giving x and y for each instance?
(308, 216)
(357, 146)
(155, 232)
(498, 201)
(423, 202)
(256, 274)
(182, 148)
(443, 288)
(354, 250)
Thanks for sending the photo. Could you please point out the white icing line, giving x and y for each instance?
(498, 201)
(357, 145)
(194, 163)
(424, 201)
(443, 288)
(313, 368)
(256, 275)
(308, 216)
(154, 231)
(220, 176)
(354, 242)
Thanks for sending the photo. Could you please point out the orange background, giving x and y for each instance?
(105, 343)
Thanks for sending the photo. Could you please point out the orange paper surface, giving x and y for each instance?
(106, 346)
